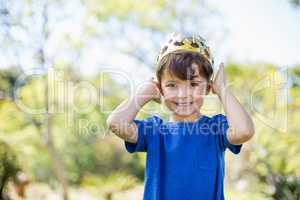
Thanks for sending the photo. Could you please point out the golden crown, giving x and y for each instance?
(177, 42)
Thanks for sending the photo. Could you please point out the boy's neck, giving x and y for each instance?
(190, 118)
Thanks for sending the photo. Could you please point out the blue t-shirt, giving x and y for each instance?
(185, 160)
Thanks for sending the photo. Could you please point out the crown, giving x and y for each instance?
(177, 42)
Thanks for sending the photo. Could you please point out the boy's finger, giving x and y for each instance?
(218, 72)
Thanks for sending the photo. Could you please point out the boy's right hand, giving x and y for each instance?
(150, 91)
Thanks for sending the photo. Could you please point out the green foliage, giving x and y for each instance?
(145, 13)
(295, 2)
(8, 79)
(275, 151)
(119, 181)
(8, 166)
(287, 188)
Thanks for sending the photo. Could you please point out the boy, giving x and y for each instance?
(185, 156)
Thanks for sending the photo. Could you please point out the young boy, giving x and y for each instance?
(185, 156)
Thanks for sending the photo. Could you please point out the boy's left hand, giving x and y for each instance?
(219, 84)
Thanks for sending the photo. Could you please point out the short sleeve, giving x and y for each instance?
(221, 133)
(146, 131)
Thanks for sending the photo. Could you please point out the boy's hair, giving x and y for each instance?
(179, 64)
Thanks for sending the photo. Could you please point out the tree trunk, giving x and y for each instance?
(58, 168)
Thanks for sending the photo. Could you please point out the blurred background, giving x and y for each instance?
(65, 65)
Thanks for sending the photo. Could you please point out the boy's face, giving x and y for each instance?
(184, 97)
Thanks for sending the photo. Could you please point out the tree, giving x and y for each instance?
(8, 167)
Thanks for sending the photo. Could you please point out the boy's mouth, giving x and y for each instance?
(183, 103)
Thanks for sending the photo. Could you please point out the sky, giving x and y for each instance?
(261, 30)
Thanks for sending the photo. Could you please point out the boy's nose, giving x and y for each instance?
(183, 92)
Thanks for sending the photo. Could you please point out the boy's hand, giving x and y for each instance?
(150, 91)
(219, 84)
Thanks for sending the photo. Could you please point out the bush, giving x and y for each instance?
(287, 188)
(8, 167)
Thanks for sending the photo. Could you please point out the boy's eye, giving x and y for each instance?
(194, 84)
(170, 85)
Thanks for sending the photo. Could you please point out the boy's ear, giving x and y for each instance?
(159, 87)
(209, 87)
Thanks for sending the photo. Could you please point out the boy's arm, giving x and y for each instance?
(241, 127)
(120, 121)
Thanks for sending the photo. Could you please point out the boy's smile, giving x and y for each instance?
(184, 98)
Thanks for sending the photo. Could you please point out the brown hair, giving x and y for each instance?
(179, 63)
